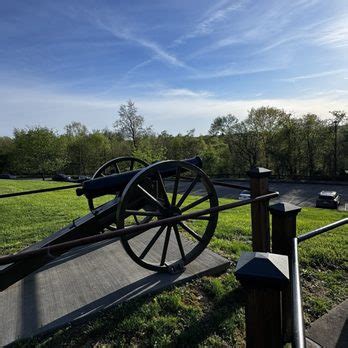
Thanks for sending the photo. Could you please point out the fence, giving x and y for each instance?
(274, 308)
(274, 315)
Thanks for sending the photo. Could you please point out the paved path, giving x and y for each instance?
(331, 330)
(84, 281)
(300, 194)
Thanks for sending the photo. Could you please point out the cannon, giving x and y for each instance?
(133, 198)
(160, 203)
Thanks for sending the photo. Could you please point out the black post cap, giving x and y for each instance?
(259, 172)
(263, 269)
(284, 209)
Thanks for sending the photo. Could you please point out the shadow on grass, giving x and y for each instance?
(222, 313)
(92, 330)
(221, 318)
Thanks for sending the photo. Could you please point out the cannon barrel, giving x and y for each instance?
(113, 184)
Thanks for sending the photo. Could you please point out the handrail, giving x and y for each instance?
(297, 312)
(23, 193)
(134, 229)
(226, 184)
(298, 336)
(323, 229)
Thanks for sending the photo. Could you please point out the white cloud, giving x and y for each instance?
(331, 93)
(210, 19)
(116, 27)
(335, 33)
(175, 113)
(267, 25)
(277, 26)
(234, 71)
(316, 75)
(183, 92)
(207, 24)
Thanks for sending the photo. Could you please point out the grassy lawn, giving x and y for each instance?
(206, 312)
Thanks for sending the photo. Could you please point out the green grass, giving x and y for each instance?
(206, 312)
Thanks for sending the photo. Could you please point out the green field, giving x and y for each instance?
(208, 311)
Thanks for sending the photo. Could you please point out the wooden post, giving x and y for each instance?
(283, 231)
(263, 275)
(283, 226)
(259, 210)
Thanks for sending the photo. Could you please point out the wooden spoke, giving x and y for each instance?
(190, 231)
(188, 191)
(146, 219)
(142, 213)
(151, 198)
(165, 247)
(163, 189)
(136, 219)
(117, 168)
(135, 234)
(178, 239)
(176, 185)
(152, 242)
(194, 204)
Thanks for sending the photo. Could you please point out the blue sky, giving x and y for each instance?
(182, 62)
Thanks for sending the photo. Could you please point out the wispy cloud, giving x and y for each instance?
(331, 32)
(184, 92)
(316, 75)
(334, 93)
(234, 71)
(127, 35)
(335, 34)
(278, 26)
(120, 28)
(210, 19)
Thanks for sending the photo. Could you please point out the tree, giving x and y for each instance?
(6, 153)
(223, 125)
(76, 136)
(339, 116)
(264, 123)
(150, 149)
(241, 139)
(97, 147)
(315, 144)
(75, 129)
(131, 124)
(287, 149)
(37, 150)
(118, 146)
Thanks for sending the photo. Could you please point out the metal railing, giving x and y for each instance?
(298, 335)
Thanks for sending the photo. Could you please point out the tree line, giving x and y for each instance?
(293, 147)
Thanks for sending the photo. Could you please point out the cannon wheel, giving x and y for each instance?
(115, 166)
(163, 198)
(119, 165)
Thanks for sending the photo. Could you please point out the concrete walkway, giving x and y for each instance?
(331, 330)
(84, 281)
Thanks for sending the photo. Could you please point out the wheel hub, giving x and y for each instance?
(171, 211)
